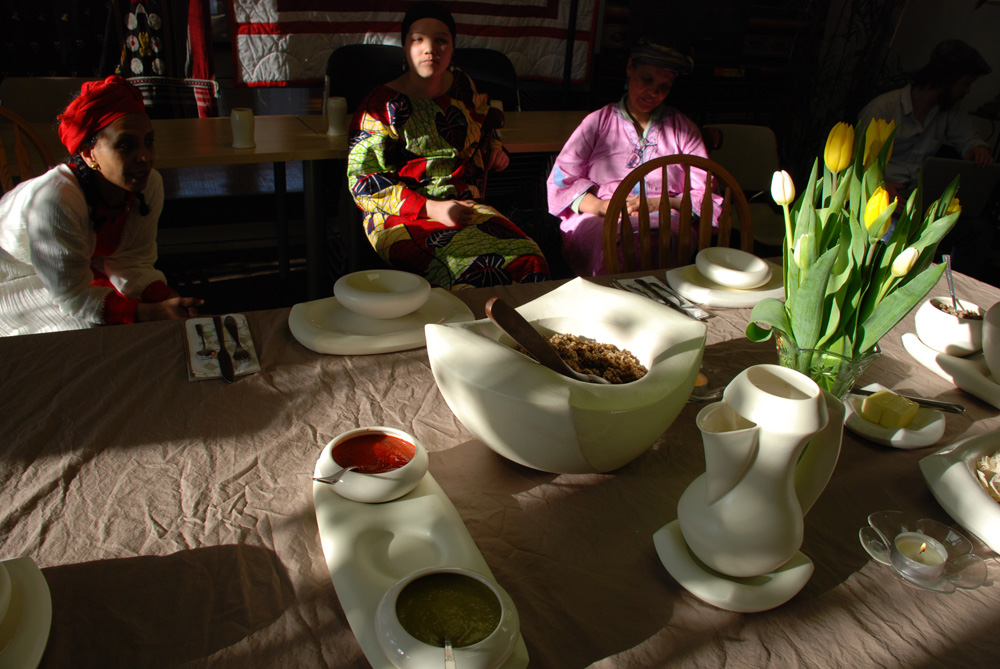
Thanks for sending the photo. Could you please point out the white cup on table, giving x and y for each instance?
(241, 118)
(336, 116)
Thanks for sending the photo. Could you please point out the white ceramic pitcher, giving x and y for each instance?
(770, 447)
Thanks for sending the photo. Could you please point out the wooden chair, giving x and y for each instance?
(22, 131)
(620, 234)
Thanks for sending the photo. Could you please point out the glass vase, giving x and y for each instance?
(833, 372)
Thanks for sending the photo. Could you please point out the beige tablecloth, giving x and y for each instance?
(174, 522)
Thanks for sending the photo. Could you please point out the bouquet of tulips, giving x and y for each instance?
(849, 275)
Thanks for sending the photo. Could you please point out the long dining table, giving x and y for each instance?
(174, 522)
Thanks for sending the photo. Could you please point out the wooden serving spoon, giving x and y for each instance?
(520, 330)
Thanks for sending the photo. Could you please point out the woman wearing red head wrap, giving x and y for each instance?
(77, 244)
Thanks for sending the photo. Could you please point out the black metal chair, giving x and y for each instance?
(493, 74)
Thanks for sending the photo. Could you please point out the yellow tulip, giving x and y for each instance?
(954, 206)
(877, 134)
(839, 147)
(904, 262)
(877, 203)
(782, 188)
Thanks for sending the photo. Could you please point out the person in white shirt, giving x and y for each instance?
(78, 243)
(928, 117)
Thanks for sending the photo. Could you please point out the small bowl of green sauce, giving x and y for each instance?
(426, 608)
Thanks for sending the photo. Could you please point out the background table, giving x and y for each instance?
(174, 523)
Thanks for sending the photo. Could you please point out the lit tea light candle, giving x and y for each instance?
(919, 556)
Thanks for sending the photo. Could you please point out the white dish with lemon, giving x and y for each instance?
(925, 427)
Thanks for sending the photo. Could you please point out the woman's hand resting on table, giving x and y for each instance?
(652, 202)
(173, 308)
(452, 213)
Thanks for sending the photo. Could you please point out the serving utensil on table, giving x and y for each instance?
(225, 362)
(949, 407)
(205, 351)
(615, 283)
(520, 330)
(661, 294)
(240, 354)
(951, 280)
(336, 476)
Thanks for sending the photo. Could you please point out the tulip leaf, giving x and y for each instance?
(771, 312)
(807, 316)
(894, 307)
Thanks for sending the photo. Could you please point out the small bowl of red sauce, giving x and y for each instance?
(388, 464)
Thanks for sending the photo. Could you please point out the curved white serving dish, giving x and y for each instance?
(369, 547)
(24, 631)
(732, 268)
(947, 333)
(541, 419)
(327, 326)
(970, 373)
(927, 427)
(690, 283)
(951, 475)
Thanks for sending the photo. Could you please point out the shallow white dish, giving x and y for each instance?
(327, 326)
(382, 293)
(690, 283)
(927, 427)
(732, 268)
(24, 631)
(951, 475)
(369, 547)
(744, 595)
(969, 373)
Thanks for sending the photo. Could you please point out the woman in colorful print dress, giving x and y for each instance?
(415, 164)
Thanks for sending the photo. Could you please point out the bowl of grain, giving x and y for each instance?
(947, 330)
(547, 421)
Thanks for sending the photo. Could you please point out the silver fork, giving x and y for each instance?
(649, 296)
(240, 354)
(205, 351)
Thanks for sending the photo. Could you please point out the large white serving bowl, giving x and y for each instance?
(382, 293)
(544, 420)
(947, 333)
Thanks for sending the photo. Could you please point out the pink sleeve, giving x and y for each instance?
(569, 177)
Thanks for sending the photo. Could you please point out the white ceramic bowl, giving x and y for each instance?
(991, 340)
(382, 487)
(946, 333)
(382, 293)
(407, 652)
(544, 420)
(732, 267)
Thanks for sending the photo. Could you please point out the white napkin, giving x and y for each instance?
(970, 374)
(200, 367)
(691, 309)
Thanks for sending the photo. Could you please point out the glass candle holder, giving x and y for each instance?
(918, 556)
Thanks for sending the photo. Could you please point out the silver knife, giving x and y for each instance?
(225, 361)
(693, 312)
(922, 401)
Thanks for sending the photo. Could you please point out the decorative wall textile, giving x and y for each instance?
(280, 42)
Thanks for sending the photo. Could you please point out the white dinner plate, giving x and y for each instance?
(969, 373)
(690, 283)
(24, 631)
(327, 326)
(368, 547)
(951, 475)
(927, 427)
